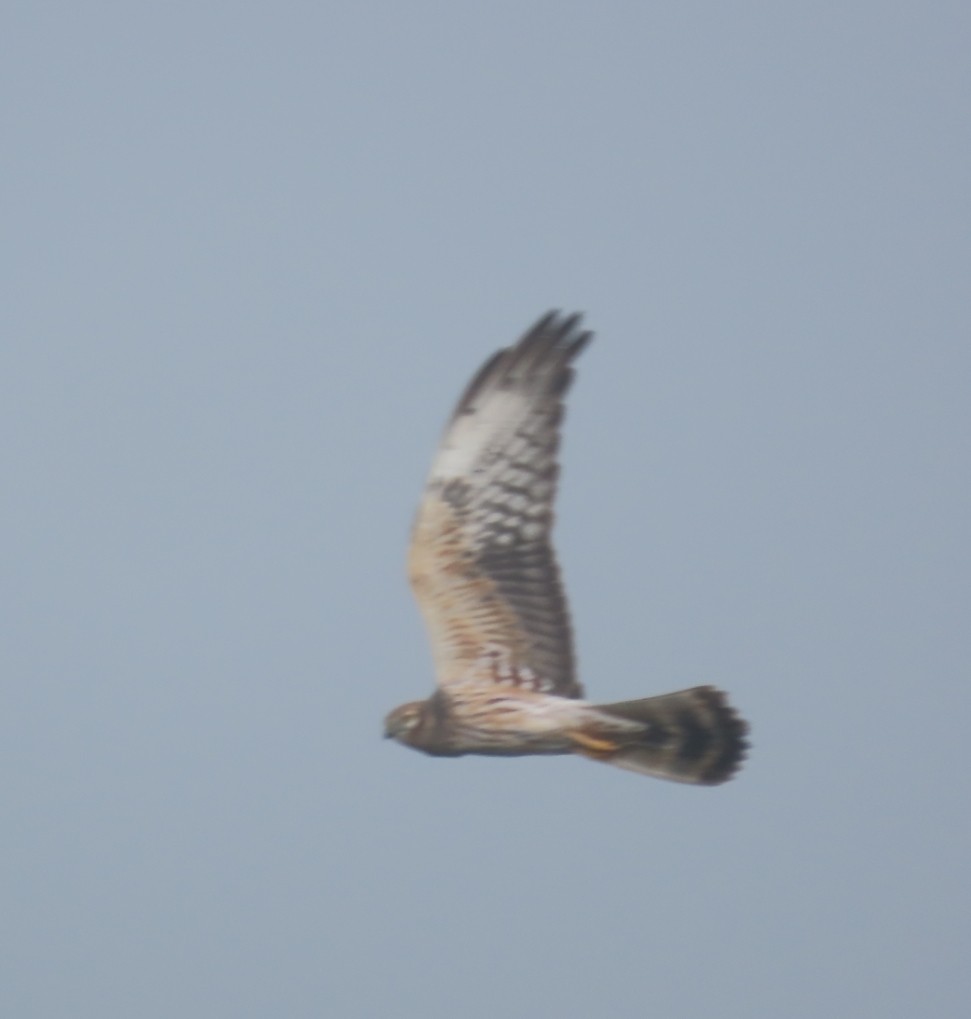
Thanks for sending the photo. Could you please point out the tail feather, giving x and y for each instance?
(689, 736)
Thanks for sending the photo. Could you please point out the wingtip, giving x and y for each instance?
(547, 349)
(558, 326)
(553, 336)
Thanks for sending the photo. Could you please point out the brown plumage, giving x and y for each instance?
(483, 570)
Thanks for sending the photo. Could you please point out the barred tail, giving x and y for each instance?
(689, 736)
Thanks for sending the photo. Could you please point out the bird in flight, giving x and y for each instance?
(484, 573)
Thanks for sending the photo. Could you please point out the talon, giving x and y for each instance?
(594, 745)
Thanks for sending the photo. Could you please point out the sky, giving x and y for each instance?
(251, 255)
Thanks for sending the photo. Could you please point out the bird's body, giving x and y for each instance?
(508, 725)
(484, 573)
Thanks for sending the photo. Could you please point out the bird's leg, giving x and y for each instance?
(592, 745)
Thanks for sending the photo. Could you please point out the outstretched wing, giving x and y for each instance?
(481, 564)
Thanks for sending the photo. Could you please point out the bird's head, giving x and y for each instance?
(401, 723)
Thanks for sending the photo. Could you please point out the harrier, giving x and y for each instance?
(483, 570)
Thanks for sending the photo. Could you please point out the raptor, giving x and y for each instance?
(484, 573)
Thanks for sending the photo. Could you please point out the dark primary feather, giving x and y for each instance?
(547, 347)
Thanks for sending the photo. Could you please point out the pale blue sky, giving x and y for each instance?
(252, 254)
